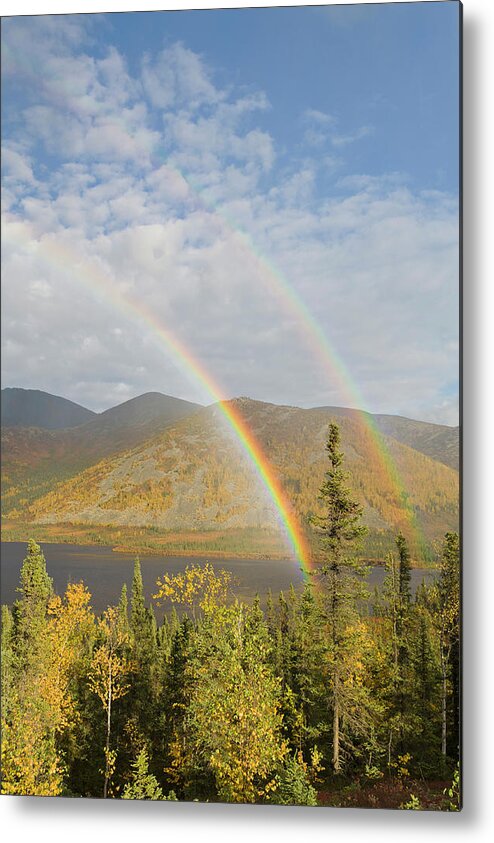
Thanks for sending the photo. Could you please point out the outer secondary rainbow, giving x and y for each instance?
(324, 352)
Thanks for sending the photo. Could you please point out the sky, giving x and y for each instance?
(271, 193)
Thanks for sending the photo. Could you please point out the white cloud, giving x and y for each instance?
(351, 137)
(322, 128)
(188, 213)
(313, 115)
(178, 78)
(16, 166)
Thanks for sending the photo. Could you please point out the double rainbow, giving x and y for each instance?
(323, 351)
(91, 275)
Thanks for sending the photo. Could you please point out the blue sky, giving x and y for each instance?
(192, 156)
(388, 67)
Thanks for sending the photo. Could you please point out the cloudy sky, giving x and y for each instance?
(276, 190)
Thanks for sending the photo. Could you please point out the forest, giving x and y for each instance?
(333, 696)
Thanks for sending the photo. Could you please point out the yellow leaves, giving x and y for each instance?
(30, 766)
(198, 585)
(108, 675)
(110, 666)
(70, 625)
(401, 765)
(235, 711)
(44, 704)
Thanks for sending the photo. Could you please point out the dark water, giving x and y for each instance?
(104, 572)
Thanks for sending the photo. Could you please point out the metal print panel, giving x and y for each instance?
(230, 441)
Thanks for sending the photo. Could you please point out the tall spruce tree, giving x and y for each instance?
(404, 593)
(143, 642)
(340, 577)
(30, 611)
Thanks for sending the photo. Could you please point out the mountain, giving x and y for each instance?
(143, 411)
(34, 459)
(435, 440)
(34, 408)
(192, 476)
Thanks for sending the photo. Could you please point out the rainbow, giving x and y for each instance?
(89, 273)
(324, 353)
(312, 334)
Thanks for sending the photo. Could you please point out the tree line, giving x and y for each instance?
(312, 699)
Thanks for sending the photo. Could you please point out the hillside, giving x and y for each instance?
(33, 460)
(34, 408)
(191, 476)
(437, 441)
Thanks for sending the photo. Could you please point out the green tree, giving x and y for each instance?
(293, 785)
(173, 704)
(448, 624)
(7, 658)
(404, 596)
(31, 763)
(144, 649)
(30, 612)
(233, 714)
(123, 609)
(144, 785)
(231, 726)
(340, 579)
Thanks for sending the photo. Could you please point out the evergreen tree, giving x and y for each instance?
(448, 623)
(404, 595)
(143, 642)
(270, 615)
(31, 764)
(30, 611)
(400, 685)
(7, 659)
(123, 609)
(137, 606)
(173, 703)
(423, 734)
(340, 577)
(308, 718)
(293, 786)
(144, 785)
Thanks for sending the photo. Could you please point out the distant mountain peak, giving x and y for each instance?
(35, 408)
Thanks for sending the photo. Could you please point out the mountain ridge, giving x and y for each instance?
(152, 409)
(159, 464)
(36, 408)
(191, 475)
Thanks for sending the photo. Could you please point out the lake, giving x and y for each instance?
(104, 572)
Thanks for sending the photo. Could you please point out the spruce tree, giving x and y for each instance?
(404, 593)
(340, 577)
(123, 608)
(30, 611)
(144, 784)
(31, 763)
(306, 719)
(143, 642)
(404, 598)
